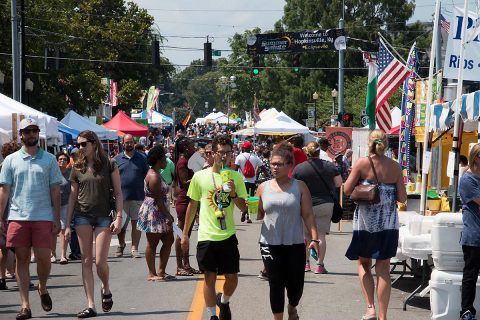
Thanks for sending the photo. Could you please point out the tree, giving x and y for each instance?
(101, 39)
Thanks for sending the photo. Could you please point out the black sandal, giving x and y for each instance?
(107, 302)
(87, 313)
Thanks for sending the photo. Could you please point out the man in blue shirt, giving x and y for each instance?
(33, 213)
(133, 169)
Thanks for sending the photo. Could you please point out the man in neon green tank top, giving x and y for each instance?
(217, 249)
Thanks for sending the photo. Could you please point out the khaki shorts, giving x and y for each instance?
(131, 208)
(323, 218)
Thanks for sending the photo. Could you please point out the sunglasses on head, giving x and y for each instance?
(34, 130)
(83, 144)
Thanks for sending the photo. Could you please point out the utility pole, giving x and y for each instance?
(341, 61)
(22, 52)
(15, 64)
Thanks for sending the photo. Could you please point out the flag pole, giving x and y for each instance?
(456, 128)
(392, 48)
(426, 131)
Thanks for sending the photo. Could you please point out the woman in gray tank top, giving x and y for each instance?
(285, 205)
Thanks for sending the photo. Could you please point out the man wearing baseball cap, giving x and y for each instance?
(33, 213)
(241, 162)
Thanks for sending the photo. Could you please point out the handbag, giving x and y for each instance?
(337, 208)
(367, 194)
(112, 199)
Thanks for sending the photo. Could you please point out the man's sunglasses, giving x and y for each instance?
(83, 144)
(28, 131)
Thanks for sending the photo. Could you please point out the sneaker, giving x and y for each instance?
(263, 275)
(3, 284)
(320, 269)
(467, 315)
(119, 252)
(135, 254)
(225, 313)
(74, 256)
(33, 259)
(249, 221)
(307, 267)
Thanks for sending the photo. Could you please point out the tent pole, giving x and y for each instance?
(426, 133)
(456, 129)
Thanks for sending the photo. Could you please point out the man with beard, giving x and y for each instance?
(133, 169)
(34, 214)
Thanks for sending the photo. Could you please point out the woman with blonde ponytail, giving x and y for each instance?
(375, 226)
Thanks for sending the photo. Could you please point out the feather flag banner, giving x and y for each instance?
(408, 114)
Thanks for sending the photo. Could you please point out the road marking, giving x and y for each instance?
(198, 302)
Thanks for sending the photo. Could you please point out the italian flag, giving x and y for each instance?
(370, 105)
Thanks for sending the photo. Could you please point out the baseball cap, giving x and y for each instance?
(324, 141)
(247, 145)
(27, 122)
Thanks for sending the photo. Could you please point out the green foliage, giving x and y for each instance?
(97, 37)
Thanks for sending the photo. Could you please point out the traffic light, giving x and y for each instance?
(255, 65)
(296, 63)
(347, 119)
(156, 52)
(340, 118)
(50, 59)
(207, 54)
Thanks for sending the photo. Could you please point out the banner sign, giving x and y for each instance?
(340, 139)
(319, 40)
(408, 115)
(421, 97)
(113, 93)
(471, 62)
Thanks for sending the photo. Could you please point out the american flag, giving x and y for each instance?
(444, 23)
(391, 74)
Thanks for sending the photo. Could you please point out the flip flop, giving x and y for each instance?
(193, 270)
(166, 277)
(183, 273)
(369, 317)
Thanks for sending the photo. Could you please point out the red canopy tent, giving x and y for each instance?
(122, 122)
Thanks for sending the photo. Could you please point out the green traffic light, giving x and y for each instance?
(255, 71)
(296, 69)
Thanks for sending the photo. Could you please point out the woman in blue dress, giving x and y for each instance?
(375, 226)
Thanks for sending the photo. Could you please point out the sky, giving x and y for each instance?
(185, 24)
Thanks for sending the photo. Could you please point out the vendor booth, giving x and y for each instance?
(122, 122)
(156, 119)
(77, 122)
(280, 124)
(47, 124)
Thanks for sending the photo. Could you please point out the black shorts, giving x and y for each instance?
(221, 257)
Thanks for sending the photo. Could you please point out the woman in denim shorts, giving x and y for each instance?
(93, 176)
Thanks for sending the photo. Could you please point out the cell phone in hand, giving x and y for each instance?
(313, 254)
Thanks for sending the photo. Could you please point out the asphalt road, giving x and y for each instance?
(336, 295)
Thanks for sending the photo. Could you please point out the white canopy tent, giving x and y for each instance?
(76, 121)
(268, 114)
(218, 117)
(48, 125)
(281, 124)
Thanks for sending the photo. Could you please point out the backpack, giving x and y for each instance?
(248, 169)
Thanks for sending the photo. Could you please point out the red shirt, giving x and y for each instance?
(299, 157)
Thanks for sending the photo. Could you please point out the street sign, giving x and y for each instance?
(233, 115)
(364, 119)
(216, 53)
(311, 113)
(305, 41)
(309, 123)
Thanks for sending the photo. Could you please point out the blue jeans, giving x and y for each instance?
(94, 221)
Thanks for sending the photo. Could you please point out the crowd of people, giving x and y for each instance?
(94, 197)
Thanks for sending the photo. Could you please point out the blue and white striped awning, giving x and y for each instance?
(443, 114)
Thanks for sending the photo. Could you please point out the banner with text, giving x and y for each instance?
(319, 40)
(471, 61)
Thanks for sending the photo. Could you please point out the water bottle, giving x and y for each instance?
(223, 224)
(313, 254)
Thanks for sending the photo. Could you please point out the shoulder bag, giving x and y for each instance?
(337, 208)
(112, 199)
(367, 194)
